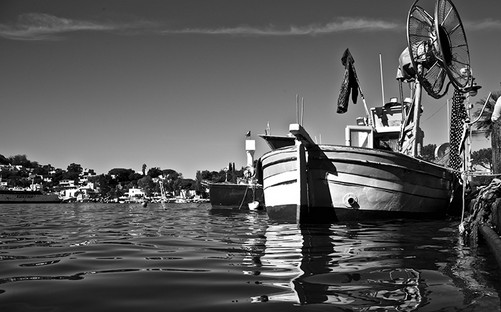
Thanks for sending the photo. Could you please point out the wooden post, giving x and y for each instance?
(302, 192)
(303, 142)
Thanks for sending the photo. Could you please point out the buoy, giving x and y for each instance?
(145, 203)
(253, 205)
(497, 110)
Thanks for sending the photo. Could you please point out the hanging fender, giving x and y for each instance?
(496, 113)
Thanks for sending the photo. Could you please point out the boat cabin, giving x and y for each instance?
(383, 128)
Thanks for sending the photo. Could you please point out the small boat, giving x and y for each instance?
(22, 196)
(248, 192)
(244, 194)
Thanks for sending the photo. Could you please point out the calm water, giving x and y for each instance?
(123, 257)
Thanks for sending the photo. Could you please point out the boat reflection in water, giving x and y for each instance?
(360, 267)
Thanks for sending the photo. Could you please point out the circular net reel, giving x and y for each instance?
(437, 46)
(455, 56)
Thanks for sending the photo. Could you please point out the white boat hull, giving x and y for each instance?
(352, 183)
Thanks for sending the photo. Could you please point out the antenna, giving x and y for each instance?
(299, 110)
(382, 82)
(302, 110)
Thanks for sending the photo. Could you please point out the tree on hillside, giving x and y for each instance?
(171, 180)
(154, 172)
(74, 168)
(134, 177)
(187, 184)
(213, 176)
(3, 160)
(73, 172)
(103, 181)
(122, 174)
(147, 185)
(42, 170)
(22, 160)
(493, 129)
(58, 176)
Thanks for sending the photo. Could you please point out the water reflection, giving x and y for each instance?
(135, 253)
(361, 267)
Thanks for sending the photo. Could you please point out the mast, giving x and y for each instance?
(382, 82)
(416, 146)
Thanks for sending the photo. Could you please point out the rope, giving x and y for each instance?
(466, 173)
(482, 111)
(243, 199)
(481, 212)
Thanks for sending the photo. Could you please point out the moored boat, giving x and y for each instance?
(245, 193)
(21, 196)
(236, 196)
(379, 172)
(341, 183)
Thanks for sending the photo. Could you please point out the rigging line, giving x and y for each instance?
(482, 111)
(243, 198)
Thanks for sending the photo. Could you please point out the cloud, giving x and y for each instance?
(484, 25)
(39, 26)
(340, 25)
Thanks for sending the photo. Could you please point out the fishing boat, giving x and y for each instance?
(242, 193)
(246, 196)
(247, 192)
(310, 181)
(379, 172)
(22, 196)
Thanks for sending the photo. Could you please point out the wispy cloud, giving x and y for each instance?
(484, 25)
(339, 25)
(39, 26)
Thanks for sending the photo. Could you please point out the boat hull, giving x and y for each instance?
(235, 196)
(352, 183)
(8, 196)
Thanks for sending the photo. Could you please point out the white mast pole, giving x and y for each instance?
(382, 82)
(302, 110)
(416, 146)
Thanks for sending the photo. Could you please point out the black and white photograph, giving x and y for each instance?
(250, 155)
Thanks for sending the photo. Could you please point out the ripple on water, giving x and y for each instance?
(124, 257)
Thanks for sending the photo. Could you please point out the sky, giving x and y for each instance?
(176, 84)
